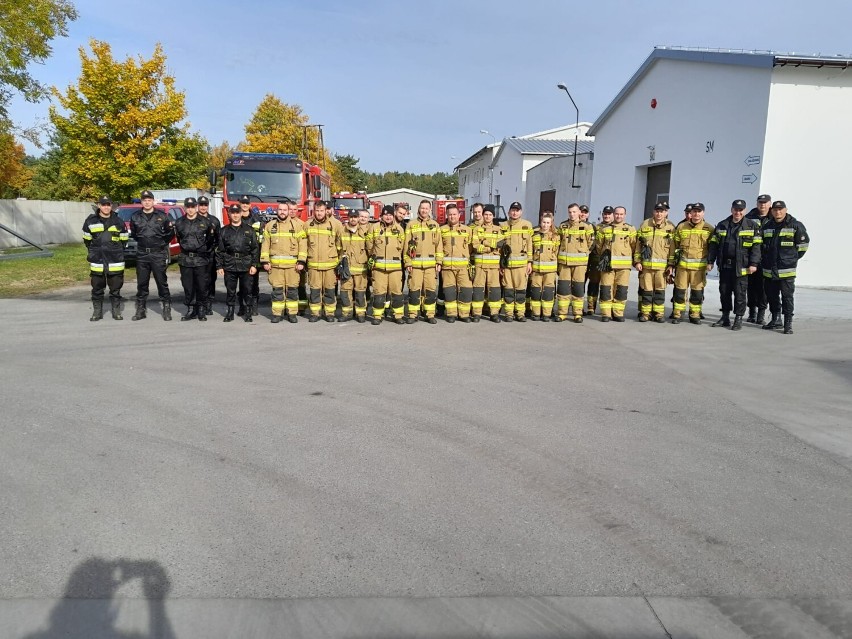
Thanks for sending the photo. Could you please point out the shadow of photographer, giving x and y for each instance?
(92, 607)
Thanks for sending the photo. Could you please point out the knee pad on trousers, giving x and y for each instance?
(658, 296)
(696, 297)
(535, 294)
(450, 294)
(430, 297)
(293, 294)
(494, 295)
(606, 293)
(646, 297)
(548, 293)
(278, 294)
(520, 296)
(315, 296)
(679, 295)
(379, 301)
(328, 296)
(414, 298)
(478, 293)
(577, 288)
(465, 295)
(509, 296)
(345, 300)
(621, 293)
(360, 298)
(397, 301)
(563, 287)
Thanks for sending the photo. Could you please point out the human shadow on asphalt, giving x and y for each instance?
(89, 607)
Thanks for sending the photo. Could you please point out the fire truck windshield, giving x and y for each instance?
(264, 186)
(349, 203)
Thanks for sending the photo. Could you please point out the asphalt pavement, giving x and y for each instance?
(629, 480)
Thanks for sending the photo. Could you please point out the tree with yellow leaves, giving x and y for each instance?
(125, 127)
(14, 174)
(278, 127)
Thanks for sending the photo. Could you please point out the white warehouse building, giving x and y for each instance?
(713, 126)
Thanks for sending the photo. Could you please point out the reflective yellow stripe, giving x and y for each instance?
(322, 266)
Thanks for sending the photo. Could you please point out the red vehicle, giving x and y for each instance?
(171, 208)
(344, 201)
(268, 178)
(439, 207)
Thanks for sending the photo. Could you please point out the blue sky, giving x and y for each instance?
(407, 85)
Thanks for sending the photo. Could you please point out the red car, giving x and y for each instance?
(174, 211)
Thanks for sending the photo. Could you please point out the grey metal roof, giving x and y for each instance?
(549, 147)
(760, 59)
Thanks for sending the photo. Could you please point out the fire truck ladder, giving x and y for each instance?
(41, 252)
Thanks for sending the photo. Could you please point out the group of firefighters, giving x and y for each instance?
(517, 270)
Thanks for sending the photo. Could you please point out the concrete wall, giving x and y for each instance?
(806, 163)
(698, 103)
(555, 174)
(508, 179)
(43, 222)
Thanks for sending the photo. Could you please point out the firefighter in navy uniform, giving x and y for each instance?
(756, 284)
(104, 235)
(196, 236)
(735, 247)
(204, 211)
(785, 242)
(254, 220)
(236, 256)
(152, 230)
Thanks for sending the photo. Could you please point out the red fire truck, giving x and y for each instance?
(269, 178)
(439, 208)
(344, 201)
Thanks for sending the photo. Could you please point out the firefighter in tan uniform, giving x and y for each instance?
(455, 266)
(545, 244)
(653, 242)
(422, 261)
(324, 250)
(353, 289)
(283, 254)
(516, 263)
(487, 240)
(688, 258)
(576, 241)
(385, 244)
(616, 244)
(476, 218)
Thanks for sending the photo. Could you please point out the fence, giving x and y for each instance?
(42, 221)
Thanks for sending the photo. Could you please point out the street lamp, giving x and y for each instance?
(490, 169)
(576, 133)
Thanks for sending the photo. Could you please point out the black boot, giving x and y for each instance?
(199, 310)
(115, 307)
(208, 307)
(788, 325)
(773, 323)
(229, 316)
(738, 323)
(275, 319)
(141, 311)
(253, 304)
(292, 318)
(97, 310)
(752, 315)
(167, 311)
(761, 315)
(191, 314)
(725, 320)
(242, 310)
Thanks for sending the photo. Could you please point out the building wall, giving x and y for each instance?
(808, 141)
(698, 104)
(563, 133)
(474, 180)
(43, 222)
(555, 174)
(508, 180)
